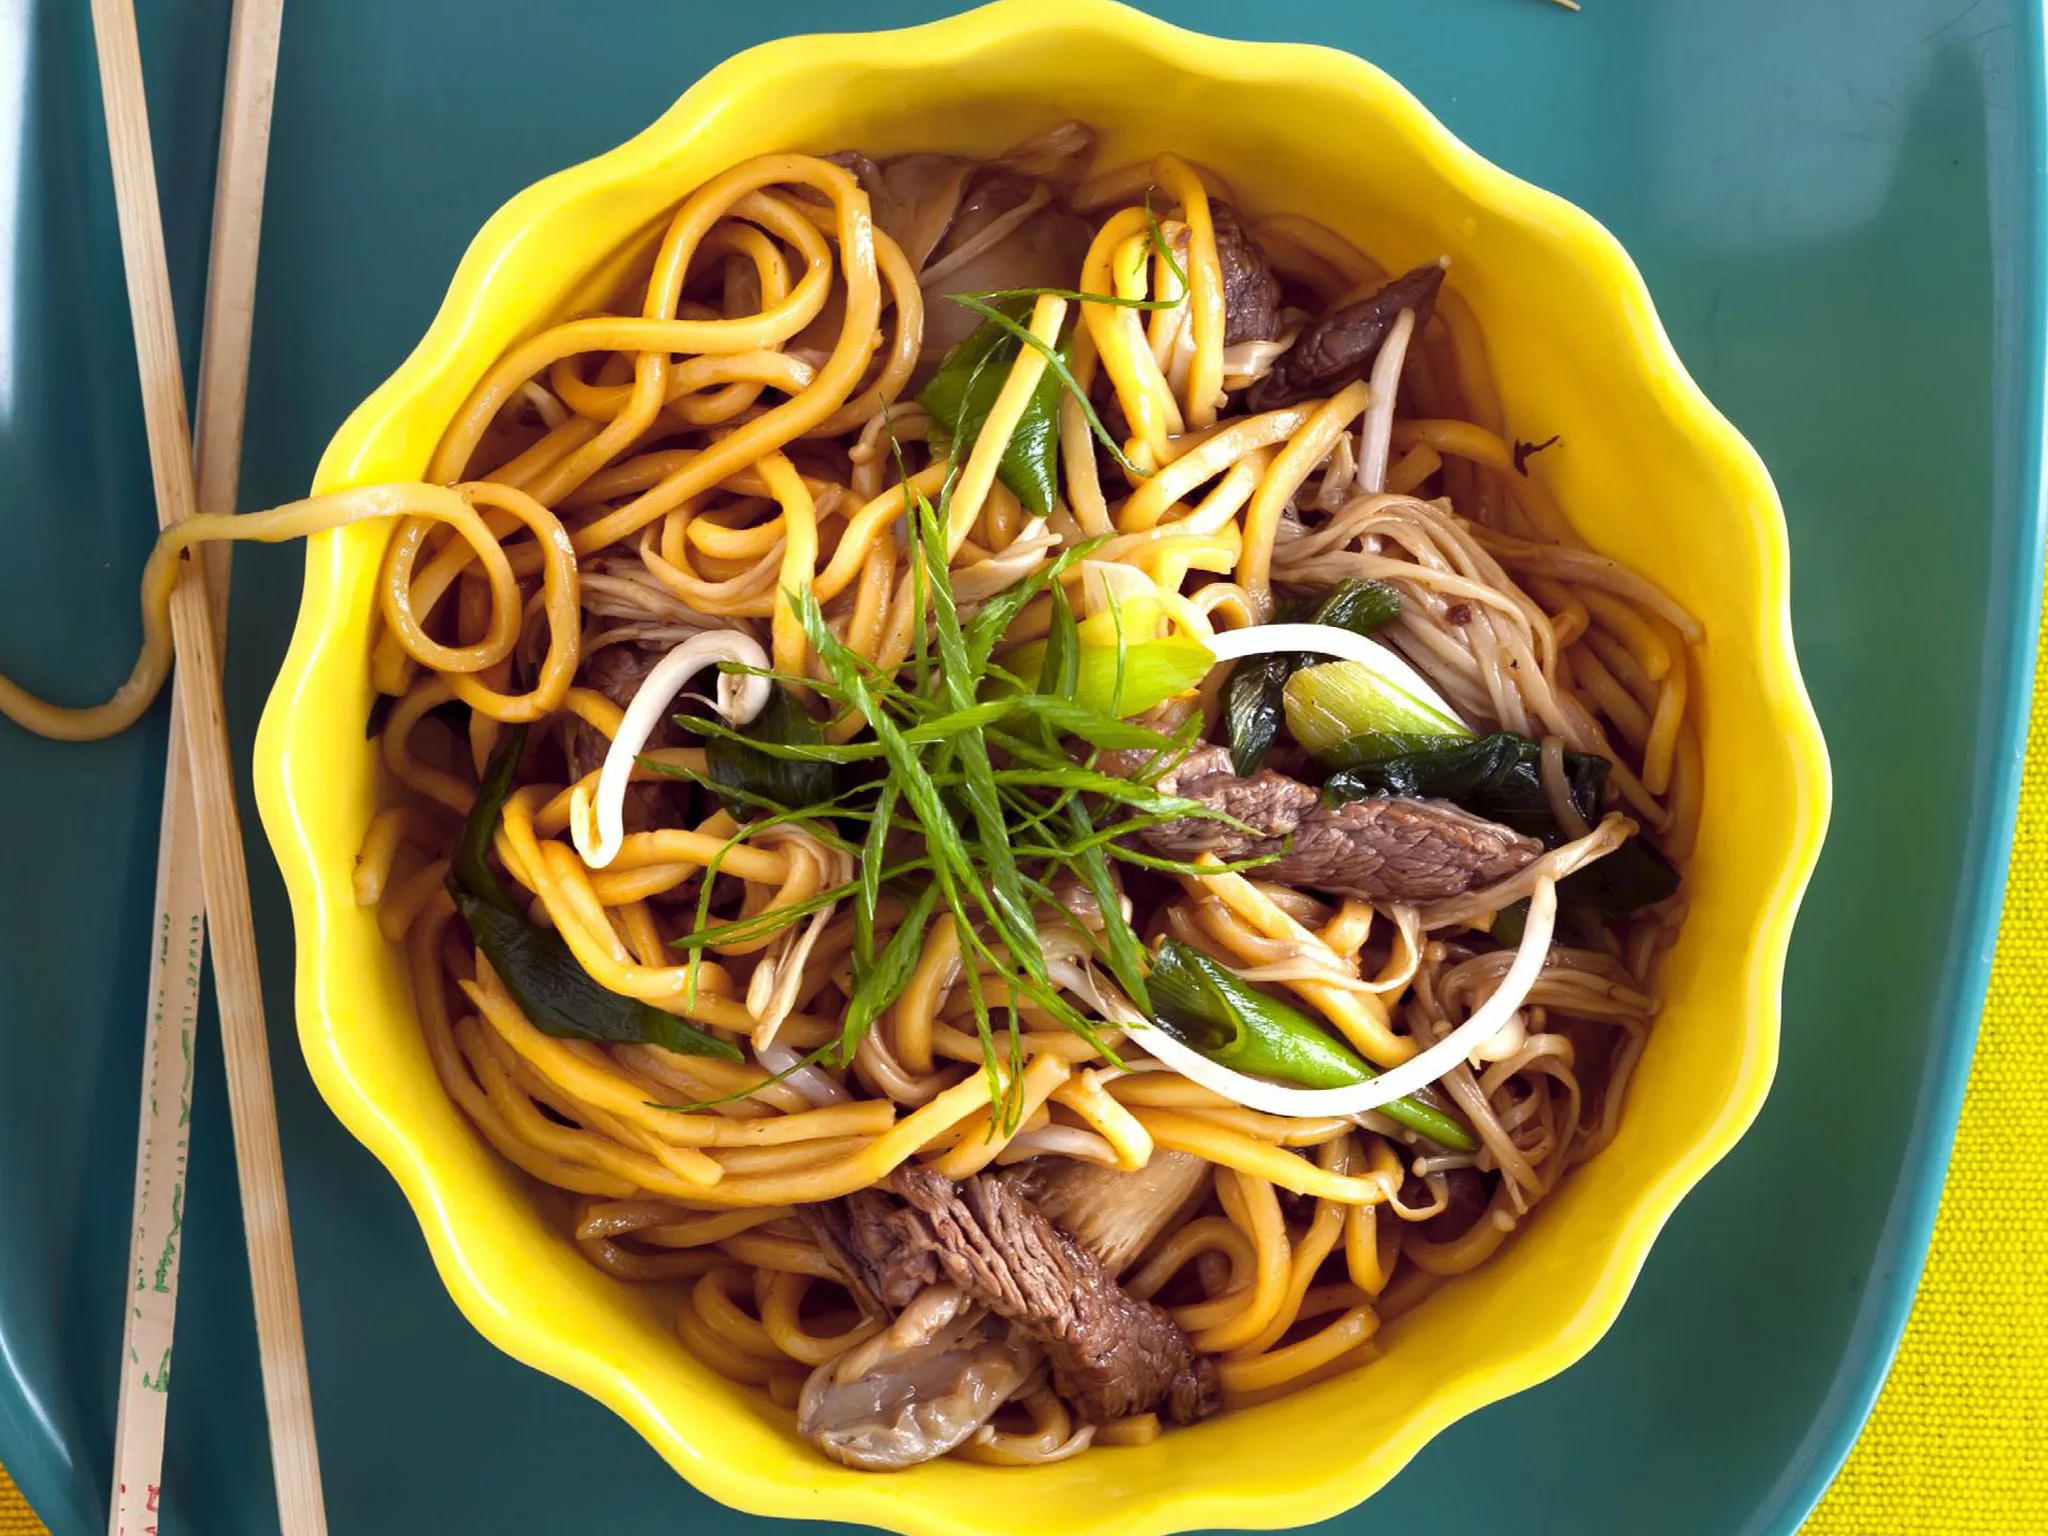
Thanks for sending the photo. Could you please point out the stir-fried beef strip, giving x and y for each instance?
(1251, 293)
(1392, 849)
(1340, 348)
(858, 1235)
(1110, 1354)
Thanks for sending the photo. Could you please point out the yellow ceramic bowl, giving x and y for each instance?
(1652, 475)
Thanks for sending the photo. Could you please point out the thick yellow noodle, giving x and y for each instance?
(774, 334)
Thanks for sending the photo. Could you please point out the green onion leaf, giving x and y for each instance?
(1183, 866)
(1346, 713)
(1510, 922)
(1009, 908)
(1634, 876)
(984, 1027)
(560, 998)
(1360, 605)
(883, 982)
(988, 627)
(870, 876)
(1498, 776)
(776, 919)
(1056, 366)
(1204, 1005)
(1099, 728)
(1251, 705)
(538, 968)
(1059, 659)
(786, 751)
(1124, 953)
(964, 390)
(469, 871)
(736, 763)
(1251, 708)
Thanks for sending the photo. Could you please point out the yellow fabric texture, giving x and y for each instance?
(1954, 1444)
(16, 1518)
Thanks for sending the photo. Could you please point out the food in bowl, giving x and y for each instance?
(1168, 852)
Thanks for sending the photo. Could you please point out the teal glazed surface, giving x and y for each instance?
(1840, 217)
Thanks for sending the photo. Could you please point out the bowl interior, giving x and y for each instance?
(1649, 473)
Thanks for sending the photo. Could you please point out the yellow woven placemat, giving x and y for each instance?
(16, 1519)
(1954, 1446)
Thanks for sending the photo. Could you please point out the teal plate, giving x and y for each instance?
(1841, 220)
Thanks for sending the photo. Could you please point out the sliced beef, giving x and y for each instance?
(1341, 347)
(1251, 293)
(1402, 850)
(1111, 1355)
(1393, 849)
(1270, 804)
(617, 672)
(860, 1236)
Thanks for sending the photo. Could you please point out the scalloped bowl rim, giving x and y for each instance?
(284, 778)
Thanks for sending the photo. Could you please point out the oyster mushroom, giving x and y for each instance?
(992, 1287)
(973, 227)
(1117, 1215)
(917, 1389)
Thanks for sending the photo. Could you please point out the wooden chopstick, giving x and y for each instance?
(215, 821)
(178, 943)
(229, 318)
(177, 935)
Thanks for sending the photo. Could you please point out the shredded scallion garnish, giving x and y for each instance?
(962, 800)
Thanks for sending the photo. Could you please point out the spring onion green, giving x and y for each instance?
(1345, 713)
(545, 978)
(965, 388)
(746, 776)
(1205, 1006)
(1250, 701)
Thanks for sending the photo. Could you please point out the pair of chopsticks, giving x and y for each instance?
(200, 874)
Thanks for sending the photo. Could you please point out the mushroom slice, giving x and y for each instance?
(918, 1389)
(1117, 1215)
